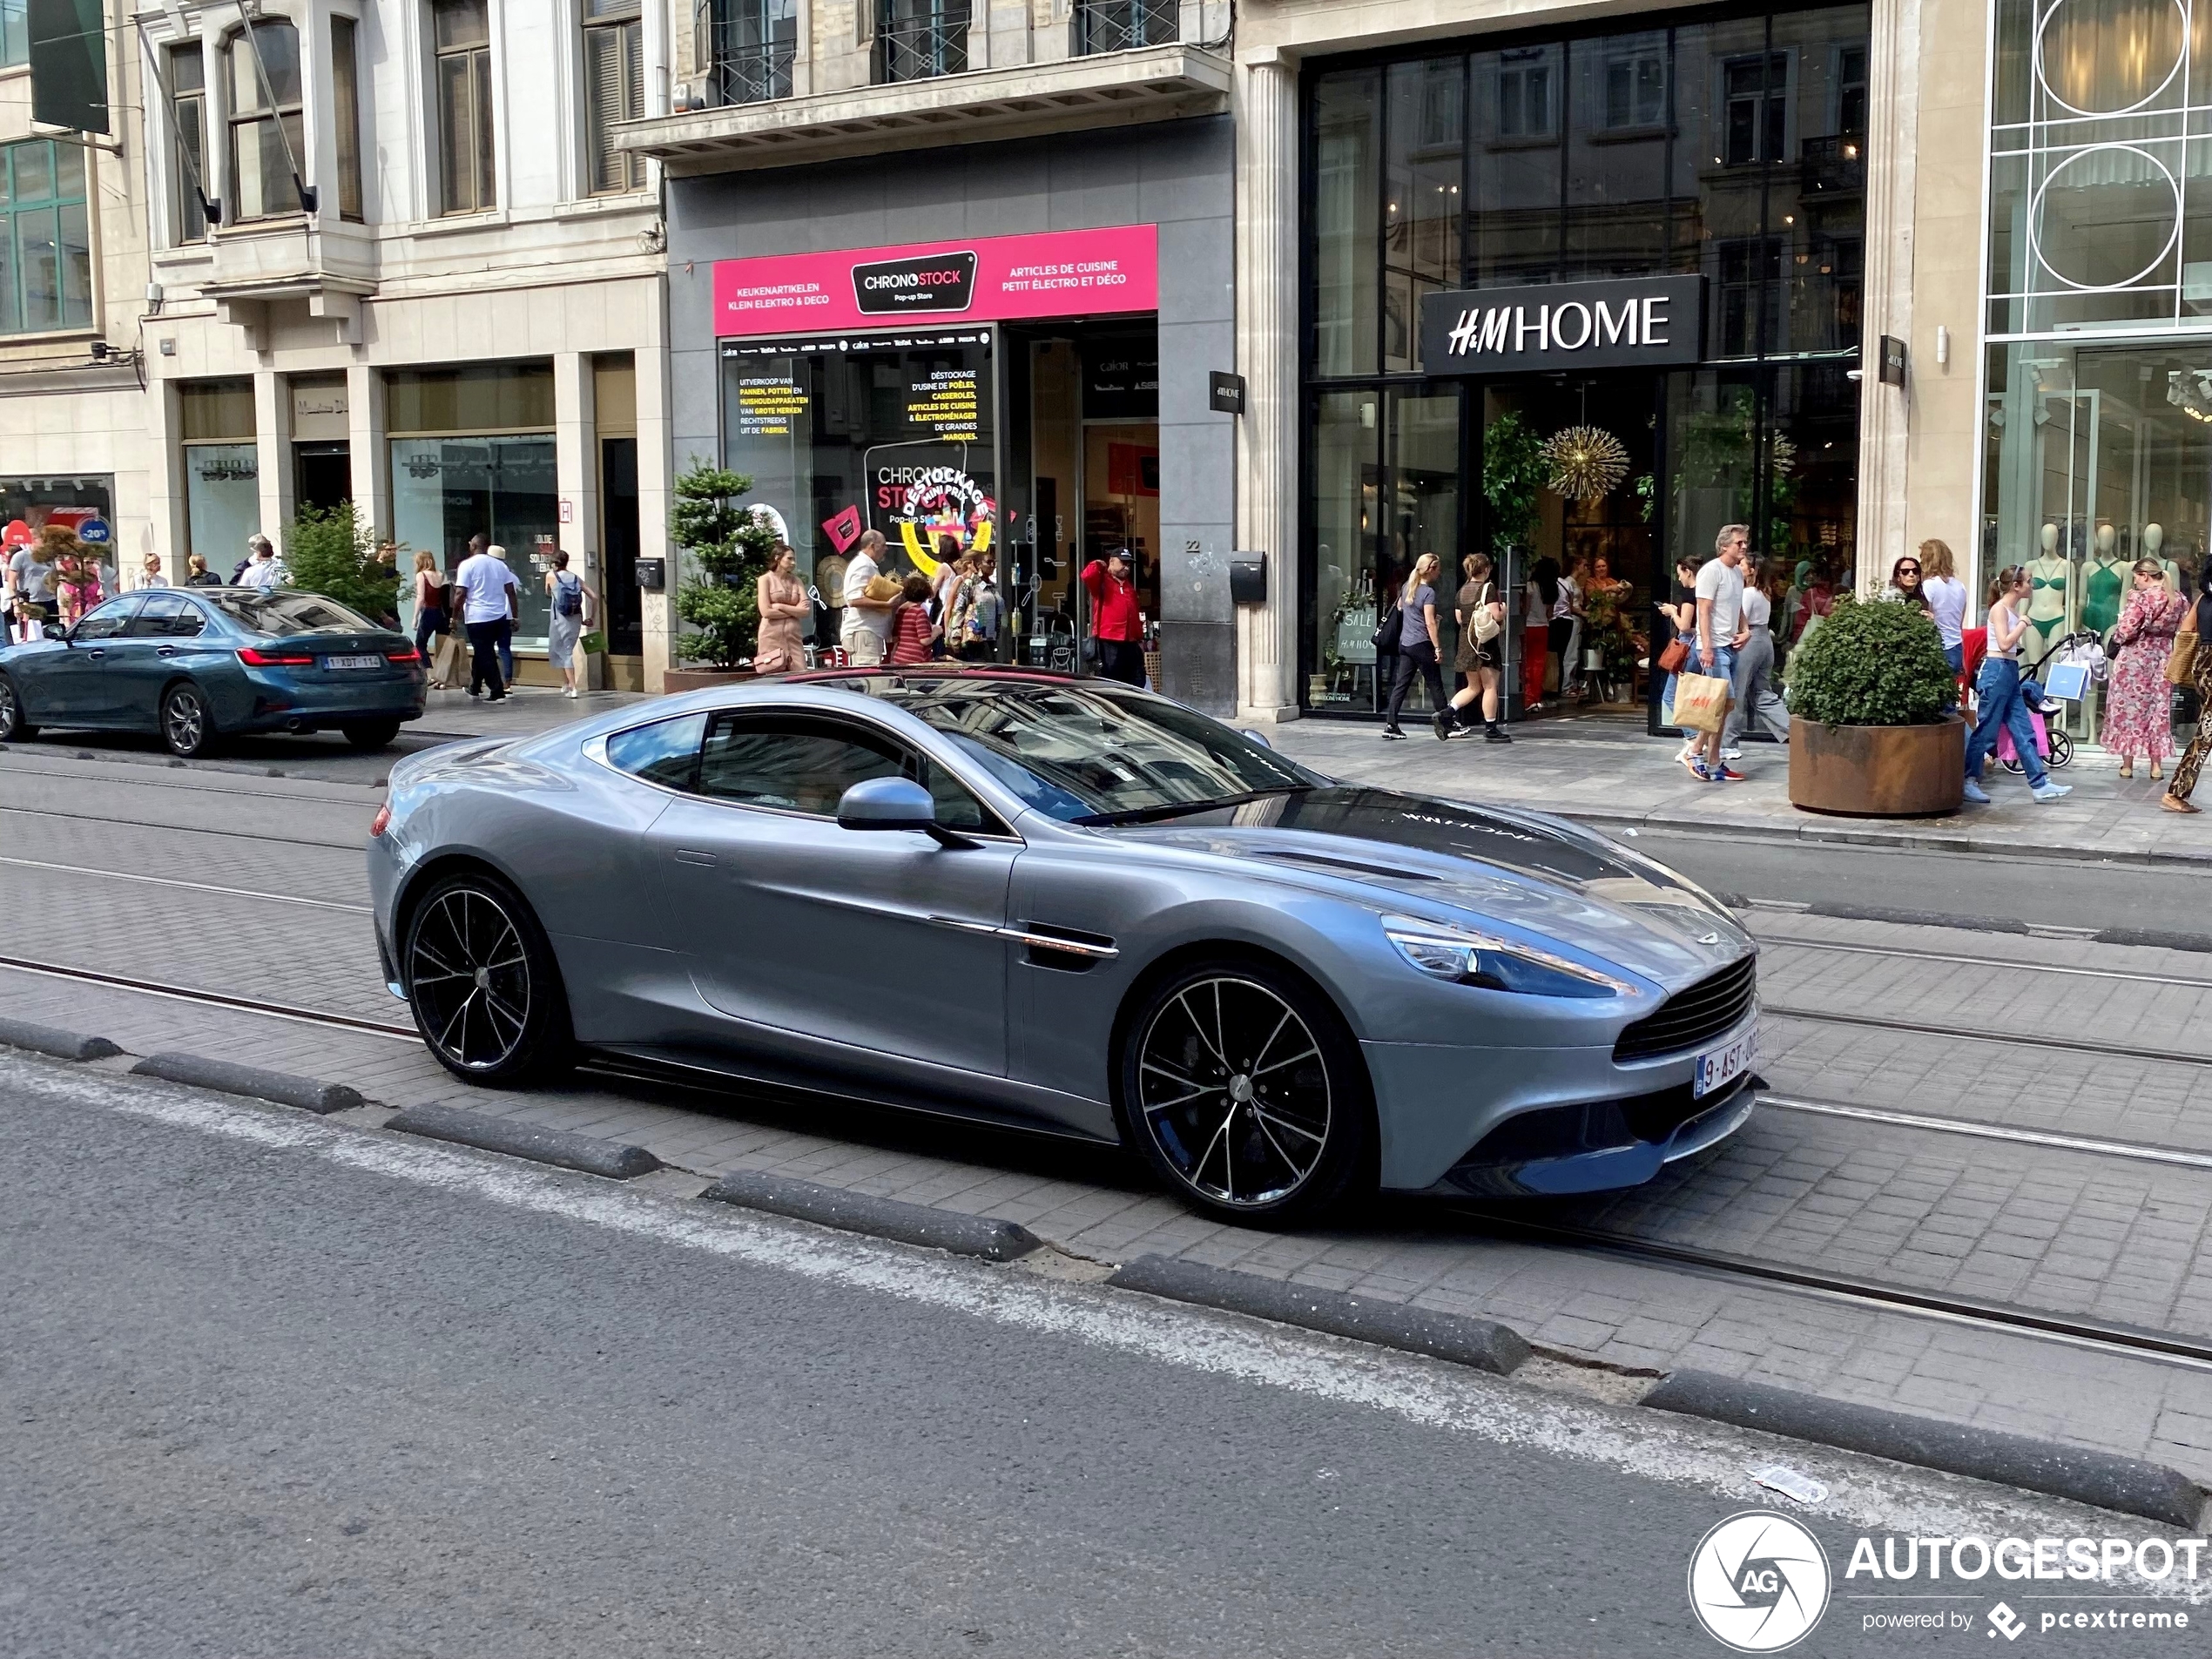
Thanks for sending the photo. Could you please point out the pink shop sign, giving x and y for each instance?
(1057, 273)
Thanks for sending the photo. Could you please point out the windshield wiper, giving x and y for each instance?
(1184, 808)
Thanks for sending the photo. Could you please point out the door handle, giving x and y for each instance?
(97, 653)
(685, 855)
(164, 651)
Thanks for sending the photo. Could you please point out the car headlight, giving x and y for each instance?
(1497, 964)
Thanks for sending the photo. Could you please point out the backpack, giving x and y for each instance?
(1485, 626)
(568, 595)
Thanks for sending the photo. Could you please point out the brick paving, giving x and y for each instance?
(2068, 1231)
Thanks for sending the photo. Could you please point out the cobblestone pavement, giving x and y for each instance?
(2111, 1238)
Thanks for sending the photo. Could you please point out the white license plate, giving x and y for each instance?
(353, 661)
(1718, 1067)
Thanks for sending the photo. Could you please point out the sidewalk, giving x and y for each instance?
(1608, 773)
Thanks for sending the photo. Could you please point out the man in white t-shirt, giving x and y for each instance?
(1721, 634)
(262, 569)
(490, 598)
(867, 621)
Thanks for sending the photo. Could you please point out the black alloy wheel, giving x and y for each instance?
(13, 727)
(188, 724)
(1244, 1088)
(482, 982)
(371, 734)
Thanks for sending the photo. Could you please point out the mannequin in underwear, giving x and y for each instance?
(2153, 545)
(2104, 584)
(2050, 594)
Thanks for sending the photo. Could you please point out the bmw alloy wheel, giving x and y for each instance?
(1236, 1098)
(13, 727)
(185, 724)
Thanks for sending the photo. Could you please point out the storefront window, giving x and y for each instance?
(86, 505)
(445, 490)
(222, 501)
(1345, 449)
(892, 434)
(1345, 206)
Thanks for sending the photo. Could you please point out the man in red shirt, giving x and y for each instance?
(1114, 621)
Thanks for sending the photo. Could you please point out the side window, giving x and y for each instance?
(799, 766)
(665, 752)
(109, 620)
(168, 614)
(957, 808)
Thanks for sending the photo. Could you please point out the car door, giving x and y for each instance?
(81, 683)
(887, 941)
(160, 643)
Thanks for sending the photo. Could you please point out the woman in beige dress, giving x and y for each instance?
(783, 608)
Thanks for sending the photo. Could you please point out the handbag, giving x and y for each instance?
(2181, 661)
(1386, 636)
(1674, 656)
(593, 643)
(1701, 702)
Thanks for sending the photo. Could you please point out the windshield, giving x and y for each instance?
(1086, 754)
(289, 613)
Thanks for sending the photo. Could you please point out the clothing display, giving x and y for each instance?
(2138, 701)
(2102, 588)
(2050, 581)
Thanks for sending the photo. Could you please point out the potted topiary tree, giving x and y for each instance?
(1872, 731)
(725, 549)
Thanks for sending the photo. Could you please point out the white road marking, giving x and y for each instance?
(196, 886)
(1683, 1452)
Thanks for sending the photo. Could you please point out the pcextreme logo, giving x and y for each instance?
(1758, 1582)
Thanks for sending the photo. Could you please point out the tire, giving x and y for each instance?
(371, 734)
(188, 724)
(1275, 1144)
(2062, 749)
(13, 727)
(482, 982)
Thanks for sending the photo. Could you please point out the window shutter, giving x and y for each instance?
(602, 89)
(633, 105)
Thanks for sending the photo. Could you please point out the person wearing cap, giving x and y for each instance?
(1115, 623)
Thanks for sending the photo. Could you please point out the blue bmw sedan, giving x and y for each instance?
(195, 665)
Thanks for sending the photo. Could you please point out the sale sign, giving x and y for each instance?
(990, 279)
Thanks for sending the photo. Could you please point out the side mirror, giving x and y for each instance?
(55, 631)
(886, 804)
(1256, 736)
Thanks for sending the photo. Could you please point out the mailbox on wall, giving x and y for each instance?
(1248, 578)
(652, 574)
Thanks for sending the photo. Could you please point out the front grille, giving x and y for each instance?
(1696, 1015)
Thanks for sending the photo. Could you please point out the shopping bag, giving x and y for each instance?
(592, 644)
(1701, 702)
(446, 659)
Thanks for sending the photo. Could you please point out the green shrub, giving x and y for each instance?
(331, 553)
(1872, 662)
(726, 550)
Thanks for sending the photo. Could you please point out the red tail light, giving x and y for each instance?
(253, 659)
(406, 654)
(376, 825)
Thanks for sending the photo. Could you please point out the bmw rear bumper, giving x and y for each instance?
(277, 702)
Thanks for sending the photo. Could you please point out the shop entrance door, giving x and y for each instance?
(322, 475)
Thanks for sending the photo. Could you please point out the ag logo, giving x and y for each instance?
(1758, 1582)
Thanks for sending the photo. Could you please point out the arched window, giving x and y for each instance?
(262, 95)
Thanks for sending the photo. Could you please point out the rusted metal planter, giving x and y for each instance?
(1879, 770)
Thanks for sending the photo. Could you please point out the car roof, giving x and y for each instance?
(929, 671)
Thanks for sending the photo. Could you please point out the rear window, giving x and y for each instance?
(289, 613)
(665, 752)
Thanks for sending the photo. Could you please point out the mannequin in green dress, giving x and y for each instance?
(2050, 594)
(2104, 584)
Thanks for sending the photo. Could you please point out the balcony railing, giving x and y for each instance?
(745, 71)
(1123, 25)
(920, 49)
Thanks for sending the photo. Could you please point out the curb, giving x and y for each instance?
(908, 1224)
(1982, 844)
(2103, 1479)
(53, 1039)
(617, 1161)
(1480, 1343)
(309, 1094)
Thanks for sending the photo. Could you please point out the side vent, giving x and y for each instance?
(1067, 949)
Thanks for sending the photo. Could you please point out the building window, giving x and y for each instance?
(47, 252)
(188, 157)
(1754, 110)
(1124, 25)
(922, 39)
(614, 90)
(1636, 90)
(748, 47)
(463, 36)
(345, 115)
(1525, 95)
(15, 33)
(1851, 90)
(266, 130)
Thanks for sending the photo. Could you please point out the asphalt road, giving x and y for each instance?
(273, 1386)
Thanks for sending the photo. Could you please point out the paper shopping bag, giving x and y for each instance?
(1701, 702)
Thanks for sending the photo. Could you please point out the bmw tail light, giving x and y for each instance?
(405, 654)
(378, 823)
(253, 659)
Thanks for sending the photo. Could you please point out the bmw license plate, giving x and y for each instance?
(1718, 1067)
(353, 661)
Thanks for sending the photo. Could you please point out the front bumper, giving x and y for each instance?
(1561, 1150)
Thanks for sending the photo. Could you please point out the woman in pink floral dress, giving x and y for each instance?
(2137, 706)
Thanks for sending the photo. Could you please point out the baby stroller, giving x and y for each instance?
(2084, 650)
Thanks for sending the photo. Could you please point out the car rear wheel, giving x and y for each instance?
(482, 982)
(13, 727)
(1243, 1087)
(372, 734)
(188, 724)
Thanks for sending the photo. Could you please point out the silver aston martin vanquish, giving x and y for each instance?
(1075, 908)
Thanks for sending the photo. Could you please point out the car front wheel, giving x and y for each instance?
(372, 734)
(1244, 1088)
(188, 724)
(482, 982)
(13, 727)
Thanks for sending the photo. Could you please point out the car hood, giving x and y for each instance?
(1526, 871)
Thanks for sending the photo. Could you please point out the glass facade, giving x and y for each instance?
(2097, 441)
(1733, 147)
